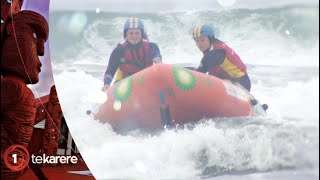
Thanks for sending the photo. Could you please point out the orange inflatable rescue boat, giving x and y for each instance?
(165, 95)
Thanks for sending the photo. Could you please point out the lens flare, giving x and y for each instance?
(117, 105)
(77, 23)
(98, 10)
(98, 97)
(227, 3)
(287, 32)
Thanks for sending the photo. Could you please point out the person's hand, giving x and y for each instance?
(105, 88)
(157, 60)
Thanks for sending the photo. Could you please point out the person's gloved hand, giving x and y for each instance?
(105, 88)
(157, 60)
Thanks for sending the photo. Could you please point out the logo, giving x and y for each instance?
(16, 157)
(44, 159)
(184, 79)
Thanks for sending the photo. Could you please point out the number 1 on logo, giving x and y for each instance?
(14, 158)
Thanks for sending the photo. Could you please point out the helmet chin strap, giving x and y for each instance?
(134, 44)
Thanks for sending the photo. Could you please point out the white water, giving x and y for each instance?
(285, 73)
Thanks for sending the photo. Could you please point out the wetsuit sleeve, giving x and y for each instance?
(214, 58)
(211, 59)
(113, 64)
(154, 51)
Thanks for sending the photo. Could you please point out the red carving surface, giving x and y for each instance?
(52, 126)
(7, 10)
(26, 35)
(22, 40)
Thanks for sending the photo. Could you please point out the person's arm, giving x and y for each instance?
(202, 68)
(113, 65)
(214, 58)
(211, 59)
(155, 53)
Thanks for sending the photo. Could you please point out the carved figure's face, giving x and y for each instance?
(24, 45)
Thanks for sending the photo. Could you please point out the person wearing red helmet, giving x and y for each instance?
(132, 55)
(219, 59)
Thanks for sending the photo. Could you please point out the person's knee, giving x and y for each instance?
(245, 82)
(247, 85)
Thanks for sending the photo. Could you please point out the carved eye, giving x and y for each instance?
(35, 35)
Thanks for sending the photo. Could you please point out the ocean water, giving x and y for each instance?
(279, 44)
